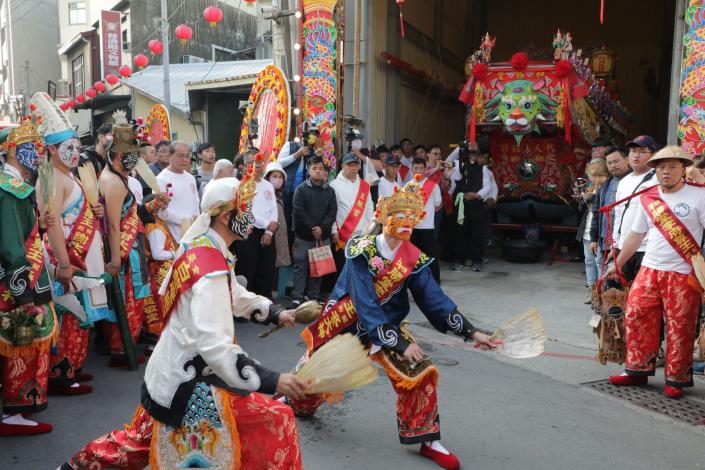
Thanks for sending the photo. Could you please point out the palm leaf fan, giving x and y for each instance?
(47, 188)
(186, 223)
(340, 365)
(306, 313)
(522, 336)
(699, 268)
(147, 175)
(89, 181)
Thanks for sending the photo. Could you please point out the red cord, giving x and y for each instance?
(602, 11)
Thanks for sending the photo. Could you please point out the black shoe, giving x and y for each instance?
(294, 303)
(476, 268)
(455, 267)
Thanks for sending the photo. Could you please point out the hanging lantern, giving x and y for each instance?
(141, 61)
(250, 2)
(91, 93)
(125, 71)
(72, 103)
(81, 99)
(184, 33)
(213, 15)
(156, 47)
(64, 107)
(100, 87)
(400, 3)
(112, 79)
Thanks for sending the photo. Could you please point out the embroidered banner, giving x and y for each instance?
(81, 236)
(353, 218)
(35, 256)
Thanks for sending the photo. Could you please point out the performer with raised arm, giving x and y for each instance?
(672, 217)
(370, 300)
(198, 407)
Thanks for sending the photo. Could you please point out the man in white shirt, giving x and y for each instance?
(256, 256)
(388, 183)
(184, 205)
(406, 160)
(490, 201)
(641, 149)
(673, 216)
(423, 234)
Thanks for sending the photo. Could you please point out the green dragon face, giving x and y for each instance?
(519, 105)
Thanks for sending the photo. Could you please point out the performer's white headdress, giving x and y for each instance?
(55, 126)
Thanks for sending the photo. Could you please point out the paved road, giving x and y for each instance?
(496, 413)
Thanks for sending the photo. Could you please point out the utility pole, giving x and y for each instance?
(26, 87)
(165, 60)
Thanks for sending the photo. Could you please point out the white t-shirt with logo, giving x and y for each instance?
(688, 205)
(623, 219)
(386, 187)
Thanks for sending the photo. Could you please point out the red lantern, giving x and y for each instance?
(250, 2)
(156, 46)
(125, 71)
(91, 93)
(72, 103)
(81, 99)
(141, 61)
(213, 15)
(112, 79)
(64, 107)
(184, 33)
(100, 87)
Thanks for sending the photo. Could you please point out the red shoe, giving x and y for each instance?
(83, 377)
(626, 380)
(64, 390)
(122, 361)
(448, 461)
(21, 430)
(672, 392)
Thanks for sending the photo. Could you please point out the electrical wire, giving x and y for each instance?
(227, 38)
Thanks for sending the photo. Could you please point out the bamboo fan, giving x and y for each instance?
(699, 268)
(186, 223)
(89, 181)
(522, 336)
(147, 176)
(340, 365)
(306, 313)
(46, 184)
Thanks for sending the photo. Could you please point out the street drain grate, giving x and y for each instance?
(688, 411)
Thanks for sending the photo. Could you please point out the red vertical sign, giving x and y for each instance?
(111, 41)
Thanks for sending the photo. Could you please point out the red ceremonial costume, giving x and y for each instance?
(202, 405)
(161, 248)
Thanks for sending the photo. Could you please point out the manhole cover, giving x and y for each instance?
(444, 361)
(685, 410)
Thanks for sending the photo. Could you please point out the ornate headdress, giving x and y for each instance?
(408, 198)
(25, 132)
(52, 123)
(124, 135)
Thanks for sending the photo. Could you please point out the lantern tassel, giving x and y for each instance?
(602, 11)
(401, 23)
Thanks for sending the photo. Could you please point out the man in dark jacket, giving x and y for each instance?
(96, 154)
(314, 211)
(618, 167)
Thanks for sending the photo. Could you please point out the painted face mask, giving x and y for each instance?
(69, 152)
(400, 225)
(129, 161)
(28, 156)
(241, 223)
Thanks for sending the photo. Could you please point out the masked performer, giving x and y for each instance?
(74, 243)
(27, 322)
(370, 300)
(198, 409)
(672, 217)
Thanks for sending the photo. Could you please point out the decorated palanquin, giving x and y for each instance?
(540, 118)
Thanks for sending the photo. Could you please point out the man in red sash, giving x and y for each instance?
(202, 398)
(424, 232)
(370, 300)
(672, 216)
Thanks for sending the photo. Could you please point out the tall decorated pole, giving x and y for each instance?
(319, 37)
(691, 125)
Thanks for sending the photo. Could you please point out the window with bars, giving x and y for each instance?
(77, 12)
(78, 75)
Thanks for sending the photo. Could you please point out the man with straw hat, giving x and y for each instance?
(370, 300)
(27, 326)
(199, 402)
(74, 243)
(672, 217)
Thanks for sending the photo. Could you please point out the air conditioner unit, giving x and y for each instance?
(62, 88)
(191, 59)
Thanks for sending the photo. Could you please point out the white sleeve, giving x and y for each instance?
(284, 158)
(701, 208)
(456, 176)
(486, 184)
(157, 239)
(245, 303)
(273, 211)
(453, 155)
(494, 192)
(640, 224)
(436, 197)
(371, 175)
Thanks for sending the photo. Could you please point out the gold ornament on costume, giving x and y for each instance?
(124, 136)
(26, 132)
(409, 198)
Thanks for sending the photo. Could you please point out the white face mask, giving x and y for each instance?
(69, 152)
(356, 144)
(277, 181)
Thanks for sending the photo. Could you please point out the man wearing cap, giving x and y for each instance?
(388, 183)
(315, 210)
(355, 207)
(202, 399)
(673, 215)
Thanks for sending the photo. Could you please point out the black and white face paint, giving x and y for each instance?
(241, 223)
(129, 161)
(69, 152)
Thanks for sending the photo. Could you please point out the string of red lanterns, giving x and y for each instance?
(141, 61)
(156, 47)
(184, 33)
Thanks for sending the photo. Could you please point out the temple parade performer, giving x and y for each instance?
(370, 300)
(161, 250)
(672, 217)
(199, 405)
(74, 243)
(125, 234)
(27, 321)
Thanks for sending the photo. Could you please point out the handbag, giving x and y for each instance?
(320, 260)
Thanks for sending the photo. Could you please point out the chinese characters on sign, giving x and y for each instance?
(111, 41)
